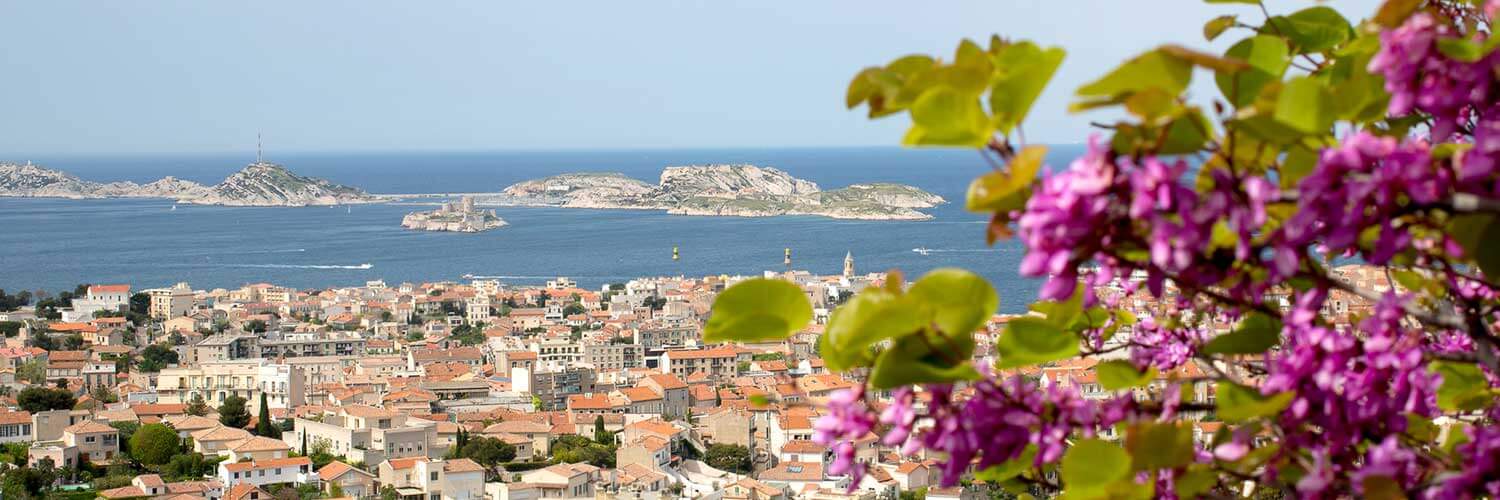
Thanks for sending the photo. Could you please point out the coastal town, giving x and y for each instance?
(453, 390)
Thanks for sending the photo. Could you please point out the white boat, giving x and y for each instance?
(468, 276)
(366, 265)
(174, 207)
(922, 250)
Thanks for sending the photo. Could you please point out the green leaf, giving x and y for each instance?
(1299, 163)
(875, 314)
(1216, 26)
(756, 310)
(998, 191)
(1238, 403)
(1197, 480)
(1479, 235)
(1314, 29)
(1010, 468)
(1154, 69)
(1062, 314)
(1154, 445)
(1092, 465)
(1382, 488)
(1187, 133)
(909, 361)
(961, 302)
(1304, 104)
(1462, 50)
(1268, 60)
(1255, 334)
(944, 116)
(1394, 12)
(1464, 386)
(1021, 72)
(1120, 374)
(1028, 341)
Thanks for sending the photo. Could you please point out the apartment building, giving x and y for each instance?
(284, 385)
(610, 357)
(171, 302)
(366, 434)
(718, 362)
(261, 473)
(432, 479)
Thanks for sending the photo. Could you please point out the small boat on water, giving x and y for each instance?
(468, 276)
(366, 265)
(174, 207)
(922, 250)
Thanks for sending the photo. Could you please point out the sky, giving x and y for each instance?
(102, 77)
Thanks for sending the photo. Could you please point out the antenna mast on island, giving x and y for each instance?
(257, 148)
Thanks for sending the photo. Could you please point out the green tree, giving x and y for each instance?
(263, 424)
(574, 308)
(197, 406)
(32, 372)
(233, 413)
(489, 452)
(11, 328)
(187, 466)
(157, 356)
(38, 399)
(154, 444)
(599, 432)
(728, 457)
(255, 326)
(578, 449)
(73, 342)
(388, 492)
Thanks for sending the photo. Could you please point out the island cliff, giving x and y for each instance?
(731, 190)
(260, 184)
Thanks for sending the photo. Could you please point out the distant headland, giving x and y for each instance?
(260, 184)
(722, 190)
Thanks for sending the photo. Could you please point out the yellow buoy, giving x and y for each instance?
(674, 253)
(788, 259)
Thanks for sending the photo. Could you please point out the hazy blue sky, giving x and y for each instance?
(205, 76)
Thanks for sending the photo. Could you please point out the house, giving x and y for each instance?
(15, 427)
(639, 479)
(216, 440)
(421, 478)
(186, 425)
(540, 434)
(246, 491)
(89, 440)
(564, 480)
(651, 452)
(256, 448)
(351, 480)
(673, 391)
(366, 434)
(797, 475)
(152, 486)
(260, 473)
(750, 489)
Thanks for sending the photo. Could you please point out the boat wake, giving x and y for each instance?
(285, 250)
(928, 251)
(302, 266)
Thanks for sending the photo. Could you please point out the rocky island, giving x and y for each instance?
(460, 216)
(261, 184)
(732, 190)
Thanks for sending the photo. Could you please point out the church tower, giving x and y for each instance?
(849, 265)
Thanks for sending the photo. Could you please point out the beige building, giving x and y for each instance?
(429, 479)
(366, 434)
(90, 440)
(170, 302)
(283, 384)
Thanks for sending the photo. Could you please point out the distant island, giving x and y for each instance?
(724, 190)
(261, 184)
(460, 216)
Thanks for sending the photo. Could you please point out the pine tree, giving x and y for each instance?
(304, 443)
(599, 429)
(197, 406)
(263, 424)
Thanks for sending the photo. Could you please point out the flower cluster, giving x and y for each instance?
(848, 419)
(1072, 218)
(1481, 472)
(1360, 184)
(1162, 347)
(1348, 388)
(1003, 417)
(1420, 78)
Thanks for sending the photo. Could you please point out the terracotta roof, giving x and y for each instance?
(598, 401)
(335, 469)
(802, 446)
(668, 381)
(89, 427)
(259, 443)
(461, 465)
(15, 417)
(794, 471)
(638, 394)
(220, 433)
(405, 463)
(243, 490)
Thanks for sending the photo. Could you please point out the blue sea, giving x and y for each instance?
(53, 244)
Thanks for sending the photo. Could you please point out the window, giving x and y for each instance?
(434, 476)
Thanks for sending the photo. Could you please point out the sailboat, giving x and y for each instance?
(922, 250)
(349, 208)
(174, 207)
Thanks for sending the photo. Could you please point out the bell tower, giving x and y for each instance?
(849, 265)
